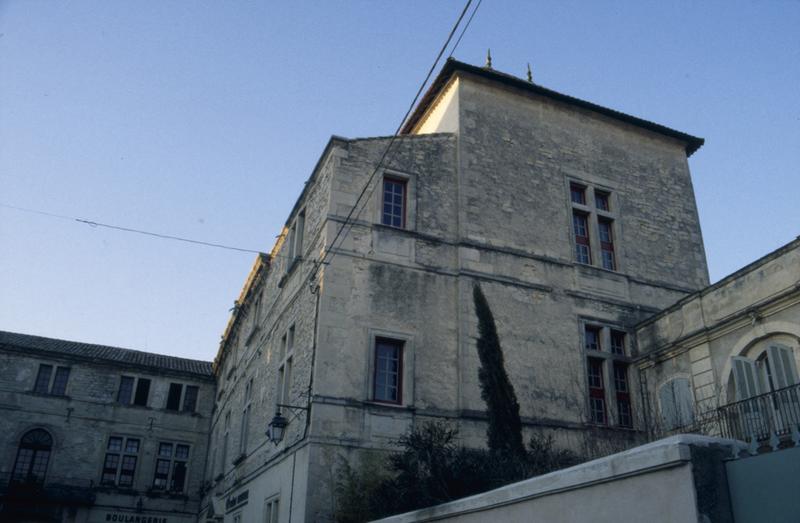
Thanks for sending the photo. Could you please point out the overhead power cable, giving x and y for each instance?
(92, 223)
(346, 226)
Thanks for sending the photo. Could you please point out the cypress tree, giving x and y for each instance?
(505, 428)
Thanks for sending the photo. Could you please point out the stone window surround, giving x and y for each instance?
(593, 216)
(123, 452)
(184, 388)
(56, 372)
(407, 367)
(609, 359)
(410, 179)
(173, 458)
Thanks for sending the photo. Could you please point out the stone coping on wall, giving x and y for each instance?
(665, 453)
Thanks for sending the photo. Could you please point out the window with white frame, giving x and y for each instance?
(607, 372)
(388, 370)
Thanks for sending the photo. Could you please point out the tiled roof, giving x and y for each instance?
(453, 66)
(103, 353)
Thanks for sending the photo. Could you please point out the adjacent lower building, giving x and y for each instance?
(723, 361)
(92, 434)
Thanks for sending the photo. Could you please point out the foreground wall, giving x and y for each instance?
(681, 478)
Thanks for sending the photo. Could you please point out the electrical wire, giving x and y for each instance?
(92, 223)
(347, 224)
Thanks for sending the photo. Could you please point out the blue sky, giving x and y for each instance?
(203, 120)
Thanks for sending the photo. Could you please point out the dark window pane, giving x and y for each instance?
(387, 370)
(577, 193)
(43, 379)
(617, 342)
(601, 200)
(592, 338)
(174, 396)
(114, 444)
(60, 381)
(181, 451)
(165, 450)
(132, 446)
(142, 391)
(178, 476)
(393, 202)
(621, 377)
(190, 398)
(161, 474)
(125, 390)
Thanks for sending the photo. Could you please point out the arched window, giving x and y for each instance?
(32, 456)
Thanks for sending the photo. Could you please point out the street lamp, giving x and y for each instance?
(277, 427)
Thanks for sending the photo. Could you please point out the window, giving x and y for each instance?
(774, 369)
(248, 393)
(295, 240)
(388, 383)
(225, 441)
(593, 224)
(170, 473)
(606, 243)
(285, 367)
(624, 417)
(33, 456)
(607, 362)
(580, 227)
(119, 465)
(601, 200)
(127, 386)
(592, 338)
(174, 397)
(597, 395)
(57, 386)
(271, 510)
(577, 193)
(618, 342)
(393, 212)
(190, 398)
(177, 392)
(676, 403)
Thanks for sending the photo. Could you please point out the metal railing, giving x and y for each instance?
(762, 416)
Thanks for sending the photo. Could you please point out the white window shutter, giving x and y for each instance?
(669, 411)
(684, 401)
(781, 362)
(744, 378)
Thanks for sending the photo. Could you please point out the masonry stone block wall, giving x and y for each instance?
(486, 176)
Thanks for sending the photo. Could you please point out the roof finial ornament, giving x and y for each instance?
(488, 59)
(530, 74)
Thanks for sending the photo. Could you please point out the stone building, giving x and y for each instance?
(90, 433)
(578, 221)
(724, 360)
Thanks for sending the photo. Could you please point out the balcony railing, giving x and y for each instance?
(762, 416)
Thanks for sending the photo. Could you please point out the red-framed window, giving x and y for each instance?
(617, 342)
(388, 373)
(624, 416)
(606, 234)
(393, 212)
(591, 338)
(577, 193)
(601, 200)
(580, 226)
(597, 394)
